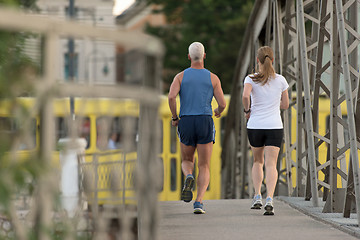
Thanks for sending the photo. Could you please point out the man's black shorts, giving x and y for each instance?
(193, 130)
(265, 137)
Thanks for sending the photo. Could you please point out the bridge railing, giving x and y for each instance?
(47, 87)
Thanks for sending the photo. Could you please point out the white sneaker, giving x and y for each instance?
(257, 202)
(269, 207)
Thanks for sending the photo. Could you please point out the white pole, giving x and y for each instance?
(69, 150)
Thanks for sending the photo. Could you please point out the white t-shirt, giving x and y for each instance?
(265, 103)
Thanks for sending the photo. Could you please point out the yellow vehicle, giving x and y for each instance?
(104, 163)
(170, 154)
(98, 121)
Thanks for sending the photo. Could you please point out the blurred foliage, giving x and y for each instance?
(218, 24)
(27, 4)
(17, 72)
(18, 172)
(22, 171)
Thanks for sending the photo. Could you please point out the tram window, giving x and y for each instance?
(161, 136)
(117, 132)
(345, 131)
(6, 125)
(61, 128)
(327, 123)
(161, 171)
(173, 171)
(222, 129)
(83, 126)
(173, 139)
(85, 130)
(24, 136)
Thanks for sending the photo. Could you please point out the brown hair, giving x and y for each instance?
(265, 55)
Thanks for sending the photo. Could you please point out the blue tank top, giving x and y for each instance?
(196, 92)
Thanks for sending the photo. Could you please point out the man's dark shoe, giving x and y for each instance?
(186, 193)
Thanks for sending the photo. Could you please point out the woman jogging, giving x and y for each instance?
(265, 93)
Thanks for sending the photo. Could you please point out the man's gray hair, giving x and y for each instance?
(196, 51)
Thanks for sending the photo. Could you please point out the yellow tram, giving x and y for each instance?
(103, 161)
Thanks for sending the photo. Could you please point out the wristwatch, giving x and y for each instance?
(247, 110)
(174, 119)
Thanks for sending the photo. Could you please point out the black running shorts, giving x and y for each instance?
(265, 137)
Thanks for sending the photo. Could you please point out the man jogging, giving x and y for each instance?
(196, 87)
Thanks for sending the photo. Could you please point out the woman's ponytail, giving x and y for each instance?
(265, 56)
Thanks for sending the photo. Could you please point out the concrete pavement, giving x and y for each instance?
(348, 225)
(233, 219)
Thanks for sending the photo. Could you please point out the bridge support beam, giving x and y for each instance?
(316, 44)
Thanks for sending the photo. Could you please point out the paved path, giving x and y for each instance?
(233, 219)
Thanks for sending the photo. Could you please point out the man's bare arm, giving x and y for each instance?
(219, 95)
(174, 91)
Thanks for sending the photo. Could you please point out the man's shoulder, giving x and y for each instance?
(179, 75)
(213, 75)
(209, 71)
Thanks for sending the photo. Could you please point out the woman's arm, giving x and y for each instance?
(284, 102)
(246, 99)
(246, 96)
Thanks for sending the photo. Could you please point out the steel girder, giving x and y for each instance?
(235, 182)
(345, 47)
(302, 34)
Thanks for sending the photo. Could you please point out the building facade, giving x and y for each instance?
(135, 18)
(94, 60)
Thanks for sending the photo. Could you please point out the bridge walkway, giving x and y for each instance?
(233, 219)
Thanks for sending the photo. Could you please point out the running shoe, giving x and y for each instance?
(257, 202)
(269, 207)
(199, 208)
(186, 193)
